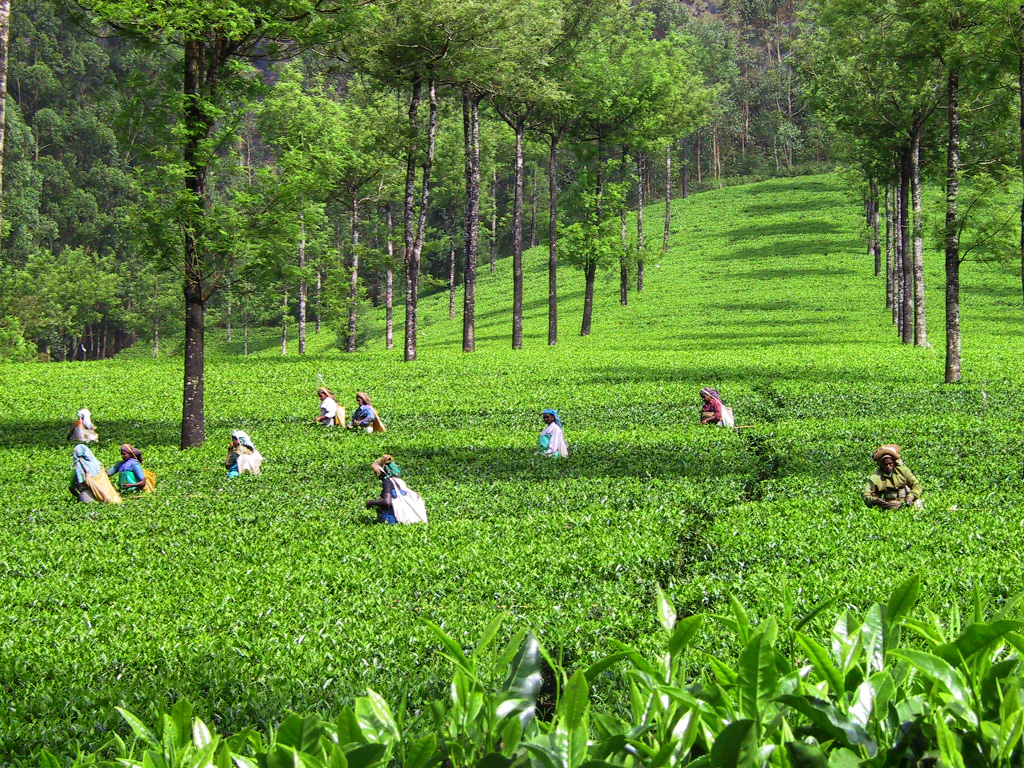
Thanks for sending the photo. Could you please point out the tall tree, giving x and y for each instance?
(5, 34)
(634, 91)
(872, 77)
(213, 37)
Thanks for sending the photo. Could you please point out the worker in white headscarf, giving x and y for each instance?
(83, 430)
(331, 414)
(242, 455)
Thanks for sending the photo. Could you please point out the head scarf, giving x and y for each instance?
(554, 413)
(386, 466)
(327, 392)
(366, 397)
(132, 451)
(243, 438)
(711, 392)
(85, 463)
(86, 418)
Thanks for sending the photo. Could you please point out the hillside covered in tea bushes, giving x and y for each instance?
(264, 594)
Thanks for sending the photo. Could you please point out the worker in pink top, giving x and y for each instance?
(711, 411)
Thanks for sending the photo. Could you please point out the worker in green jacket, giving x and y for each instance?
(893, 485)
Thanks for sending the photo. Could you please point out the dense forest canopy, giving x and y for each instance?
(295, 163)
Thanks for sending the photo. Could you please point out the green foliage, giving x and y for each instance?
(874, 696)
(267, 594)
(13, 346)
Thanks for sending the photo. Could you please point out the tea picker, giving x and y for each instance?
(893, 485)
(83, 430)
(551, 440)
(365, 416)
(397, 503)
(331, 414)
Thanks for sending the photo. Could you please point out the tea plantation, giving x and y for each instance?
(264, 594)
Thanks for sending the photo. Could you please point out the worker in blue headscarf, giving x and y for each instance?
(89, 482)
(551, 440)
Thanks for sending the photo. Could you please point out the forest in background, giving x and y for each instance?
(307, 154)
(238, 164)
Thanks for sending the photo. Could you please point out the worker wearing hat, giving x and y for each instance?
(893, 485)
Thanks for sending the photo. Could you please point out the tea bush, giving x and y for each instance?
(260, 595)
(892, 688)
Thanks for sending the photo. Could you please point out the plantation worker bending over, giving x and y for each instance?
(89, 482)
(366, 416)
(83, 430)
(711, 411)
(242, 455)
(551, 441)
(330, 413)
(130, 476)
(397, 503)
(893, 485)
(386, 469)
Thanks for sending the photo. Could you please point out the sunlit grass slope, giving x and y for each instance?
(265, 593)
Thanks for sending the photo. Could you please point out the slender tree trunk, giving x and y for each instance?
(353, 279)
(745, 136)
(302, 286)
(1021, 43)
(697, 152)
(245, 333)
(897, 257)
(412, 267)
(589, 275)
(624, 253)
(494, 220)
(888, 248)
(471, 225)
(428, 169)
(415, 227)
(389, 281)
(907, 255)
(668, 197)
(590, 266)
(517, 238)
(920, 330)
(227, 298)
(197, 127)
(284, 323)
(716, 157)
(453, 232)
(641, 183)
(156, 318)
(5, 35)
(533, 206)
(952, 230)
(684, 172)
(319, 298)
(876, 249)
(553, 238)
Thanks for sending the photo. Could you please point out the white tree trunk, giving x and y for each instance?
(920, 331)
(389, 283)
(302, 287)
(353, 281)
(284, 323)
(5, 34)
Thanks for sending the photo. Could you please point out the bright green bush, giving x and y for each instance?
(254, 597)
(890, 688)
